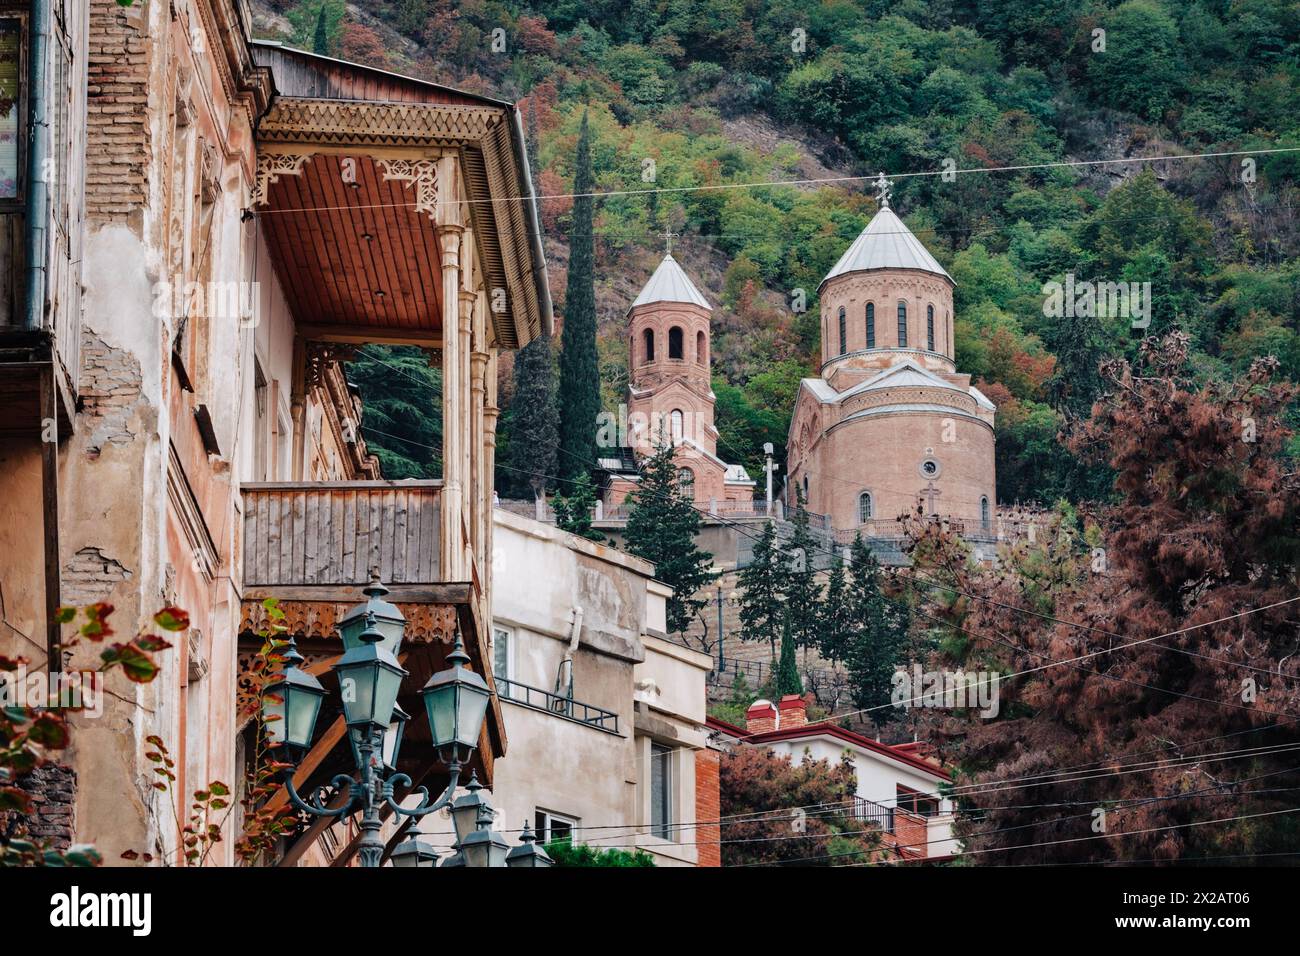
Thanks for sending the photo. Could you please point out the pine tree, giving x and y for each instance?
(661, 528)
(877, 631)
(402, 398)
(801, 591)
(579, 365)
(573, 514)
(787, 672)
(534, 416)
(320, 44)
(760, 584)
(836, 628)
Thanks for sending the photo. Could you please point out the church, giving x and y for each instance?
(889, 424)
(670, 396)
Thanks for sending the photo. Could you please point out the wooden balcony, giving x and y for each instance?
(331, 535)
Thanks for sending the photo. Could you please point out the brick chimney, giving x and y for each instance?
(794, 712)
(761, 717)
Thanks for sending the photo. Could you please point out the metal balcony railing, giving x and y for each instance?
(565, 707)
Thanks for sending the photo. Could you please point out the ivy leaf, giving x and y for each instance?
(172, 619)
(219, 789)
(136, 665)
(50, 732)
(65, 615)
(152, 642)
(11, 798)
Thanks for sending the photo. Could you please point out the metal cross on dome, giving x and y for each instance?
(668, 237)
(882, 185)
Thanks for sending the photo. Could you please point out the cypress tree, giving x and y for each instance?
(661, 527)
(534, 417)
(836, 629)
(579, 366)
(787, 672)
(760, 584)
(573, 514)
(321, 42)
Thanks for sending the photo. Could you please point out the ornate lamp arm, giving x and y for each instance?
(425, 806)
(343, 783)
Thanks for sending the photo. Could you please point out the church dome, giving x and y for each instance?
(670, 284)
(886, 243)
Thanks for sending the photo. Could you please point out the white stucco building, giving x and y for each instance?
(605, 716)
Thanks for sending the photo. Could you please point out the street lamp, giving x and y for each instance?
(291, 704)
(528, 853)
(414, 852)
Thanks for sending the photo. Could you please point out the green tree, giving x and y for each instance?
(534, 416)
(761, 584)
(566, 853)
(661, 528)
(1141, 65)
(788, 680)
(801, 592)
(836, 627)
(579, 364)
(321, 40)
(878, 632)
(573, 513)
(402, 397)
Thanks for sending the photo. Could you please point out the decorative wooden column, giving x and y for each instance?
(481, 477)
(449, 236)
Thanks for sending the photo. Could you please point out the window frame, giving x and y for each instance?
(929, 327)
(843, 331)
(679, 354)
(871, 325)
(871, 507)
(647, 346)
(543, 820)
(663, 829)
(18, 202)
(902, 323)
(509, 634)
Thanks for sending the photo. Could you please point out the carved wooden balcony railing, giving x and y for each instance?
(332, 534)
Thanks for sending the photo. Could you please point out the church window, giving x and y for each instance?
(805, 487)
(701, 349)
(984, 512)
(649, 336)
(675, 342)
(929, 327)
(864, 507)
(930, 468)
(871, 325)
(843, 344)
(686, 479)
(675, 421)
(902, 324)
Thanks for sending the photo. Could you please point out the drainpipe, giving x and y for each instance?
(37, 151)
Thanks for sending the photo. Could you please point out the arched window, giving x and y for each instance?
(675, 342)
(686, 480)
(805, 488)
(864, 507)
(929, 327)
(984, 512)
(871, 325)
(902, 324)
(843, 342)
(648, 336)
(701, 348)
(676, 422)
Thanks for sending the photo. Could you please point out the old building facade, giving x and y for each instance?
(890, 425)
(182, 431)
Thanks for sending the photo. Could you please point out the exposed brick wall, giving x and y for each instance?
(911, 831)
(794, 712)
(707, 807)
(118, 147)
(91, 576)
(110, 387)
(53, 790)
(761, 717)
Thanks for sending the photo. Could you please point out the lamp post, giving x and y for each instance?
(369, 678)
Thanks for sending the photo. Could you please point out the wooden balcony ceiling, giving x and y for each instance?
(355, 259)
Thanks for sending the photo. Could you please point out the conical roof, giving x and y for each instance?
(670, 284)
(886, 243)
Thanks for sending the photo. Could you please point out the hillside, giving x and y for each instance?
(721, 93)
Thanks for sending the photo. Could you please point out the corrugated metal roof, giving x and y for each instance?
(670, 284)
(886, 243)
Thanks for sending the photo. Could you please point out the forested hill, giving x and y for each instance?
(715, 92)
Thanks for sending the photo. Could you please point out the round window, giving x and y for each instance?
(930, 468)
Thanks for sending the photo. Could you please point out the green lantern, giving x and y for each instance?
(389, 745)
(369, 679)
(291, 704)
(414, 852)
(456, 701)
(387, 618)
(528, 853)
(465, 809)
